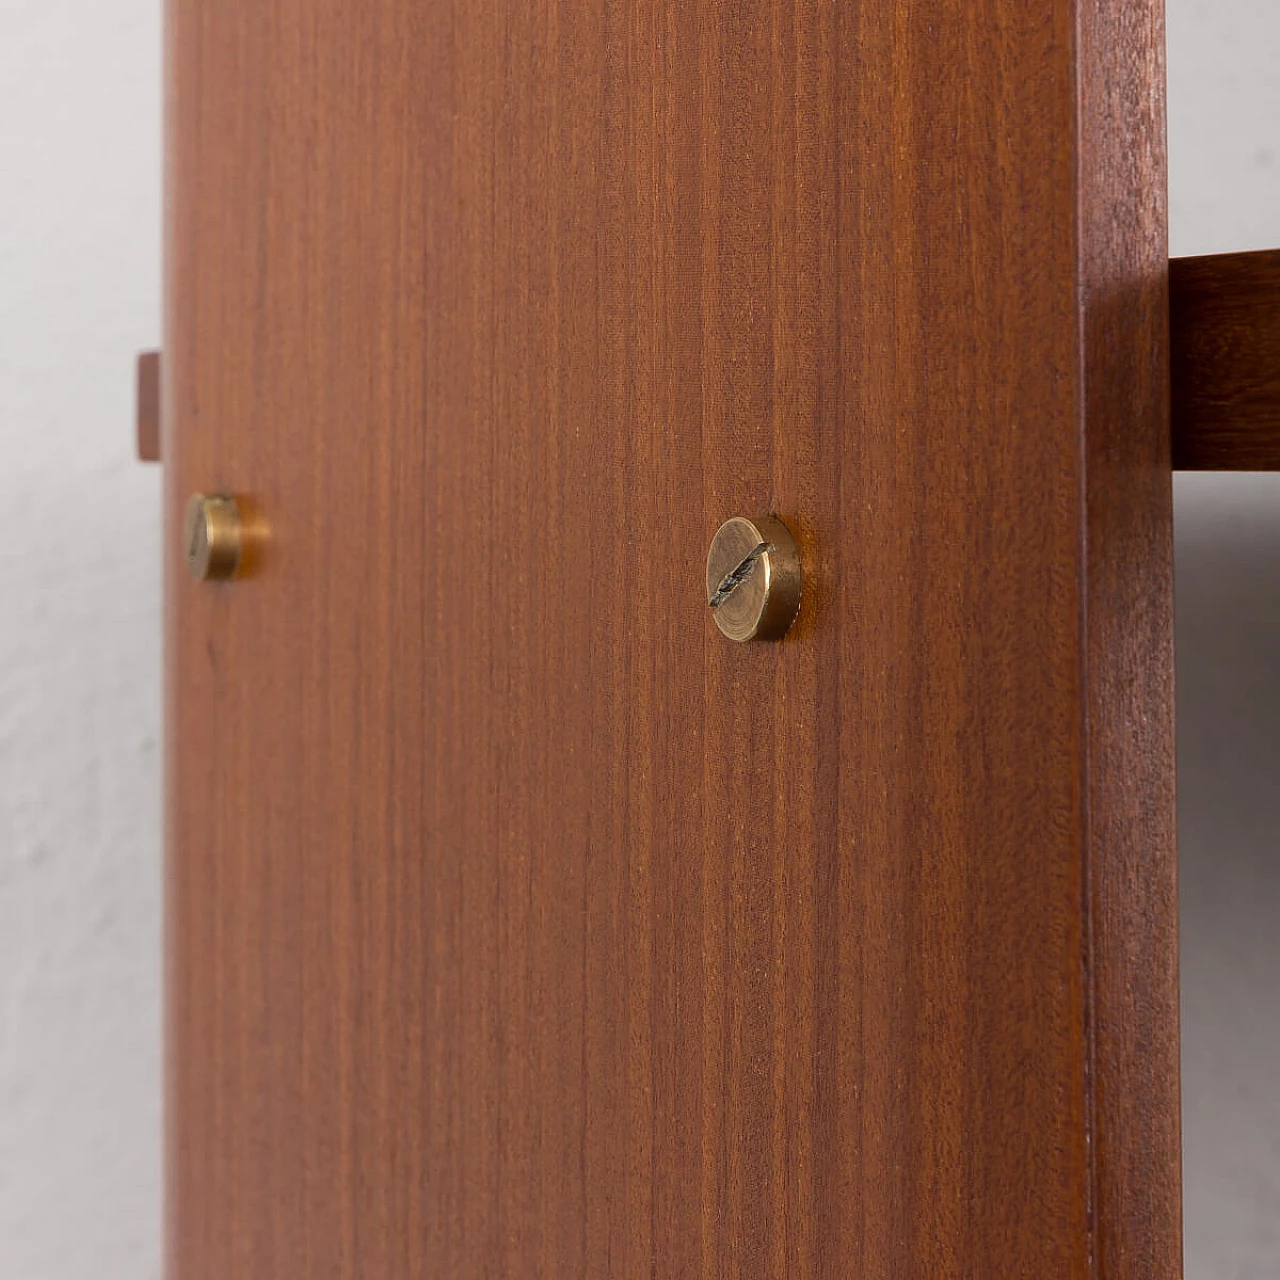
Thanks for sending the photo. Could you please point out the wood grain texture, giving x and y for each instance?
(519, 924)
(147, 405)
(1225, 361)
(1129, 866)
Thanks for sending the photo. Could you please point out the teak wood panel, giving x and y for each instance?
(518, 923)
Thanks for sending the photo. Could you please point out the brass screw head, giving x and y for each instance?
(213, 538)
(753, 578)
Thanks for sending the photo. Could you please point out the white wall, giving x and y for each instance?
(79, 655)
(79, 643)
(1224, 174)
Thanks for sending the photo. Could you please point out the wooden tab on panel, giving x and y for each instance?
(1225, 361)
(148, 397)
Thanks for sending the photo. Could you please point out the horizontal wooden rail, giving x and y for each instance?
(1224, 357)
(1225, 361)
(148, 406)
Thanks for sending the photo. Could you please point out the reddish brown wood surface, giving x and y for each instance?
(147, 400)
(1225, 360)
(518, 923)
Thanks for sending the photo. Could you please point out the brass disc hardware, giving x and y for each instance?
(216, 541)
(753, 578)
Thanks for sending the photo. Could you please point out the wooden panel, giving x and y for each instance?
(147, 402)
(1128, 864)
(518, 923)
(1225, 357)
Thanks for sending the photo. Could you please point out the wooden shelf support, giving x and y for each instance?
(147, 399)
(1224, 314)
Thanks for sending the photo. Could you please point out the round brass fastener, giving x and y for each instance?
(753, 578)
(214, 538)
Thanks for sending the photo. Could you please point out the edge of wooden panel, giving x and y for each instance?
(1131, 906)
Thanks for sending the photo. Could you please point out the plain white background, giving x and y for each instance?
(1224, 178)
(79, 655)
(79, 643)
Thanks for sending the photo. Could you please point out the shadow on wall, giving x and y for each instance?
(1228, 668)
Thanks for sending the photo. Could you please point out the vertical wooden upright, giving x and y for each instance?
(519, 924)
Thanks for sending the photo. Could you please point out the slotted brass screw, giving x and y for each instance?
(753, 578)
(213, 538)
